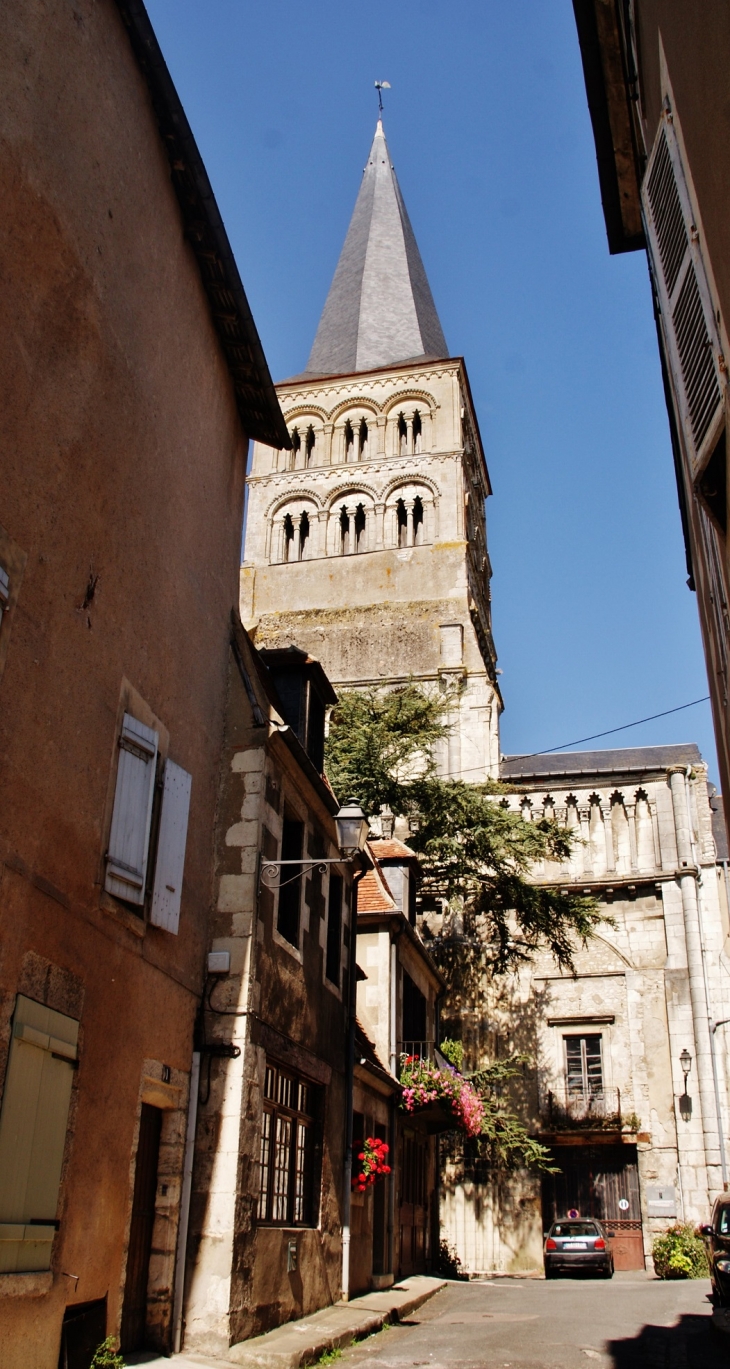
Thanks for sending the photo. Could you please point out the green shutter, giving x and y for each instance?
(33, 1123)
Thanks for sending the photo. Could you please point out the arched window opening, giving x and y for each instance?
(359, 528)
(363, 441)
(548, 808)
(296, 446)
(303, 535)
(344, 532)
(402, 435)
(417, 432)
(309, 447)
(288, 547)
(402, 520)
(349, 442)
(417, 523)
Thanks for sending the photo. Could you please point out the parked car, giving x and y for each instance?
(572, 1244)
(717, 1238)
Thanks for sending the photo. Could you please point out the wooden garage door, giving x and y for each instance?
(602, 1182)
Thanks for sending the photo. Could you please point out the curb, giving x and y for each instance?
(356, 1322)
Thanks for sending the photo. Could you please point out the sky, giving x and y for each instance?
(488, 129)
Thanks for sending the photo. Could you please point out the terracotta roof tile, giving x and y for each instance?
(391, 850)
(373, 894)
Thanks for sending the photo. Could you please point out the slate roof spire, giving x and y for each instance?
(379, 310)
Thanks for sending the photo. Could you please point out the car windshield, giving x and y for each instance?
(723, 1221)
(574, 1229)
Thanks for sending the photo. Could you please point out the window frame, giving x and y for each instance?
(290, 1106)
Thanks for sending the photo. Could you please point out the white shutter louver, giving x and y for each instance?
(130, 830)
(165, 910)
(695, 356)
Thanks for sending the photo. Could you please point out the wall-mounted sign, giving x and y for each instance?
(661, 1200)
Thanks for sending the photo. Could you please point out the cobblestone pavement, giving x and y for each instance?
(629, 1323)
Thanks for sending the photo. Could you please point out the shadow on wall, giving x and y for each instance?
(693, 1342)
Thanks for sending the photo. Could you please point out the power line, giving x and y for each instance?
(595, 735)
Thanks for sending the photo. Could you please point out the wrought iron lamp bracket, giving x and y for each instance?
(270, 869)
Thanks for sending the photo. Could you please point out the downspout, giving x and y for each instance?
(187, 1184)
(350, 1090)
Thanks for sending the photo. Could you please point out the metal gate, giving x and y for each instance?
(601, 1182)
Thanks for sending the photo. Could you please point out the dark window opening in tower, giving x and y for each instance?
(288, 538)
(417, 431)
(417, 523)
(360, 528)
(402, 435)
(309, 447)
(402, 518)
(363, 441)
(296, 446)
(303, 535)
(349, 442)
(344, 532)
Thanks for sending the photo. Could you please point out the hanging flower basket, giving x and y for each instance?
(373, 1164)
(426, 1088)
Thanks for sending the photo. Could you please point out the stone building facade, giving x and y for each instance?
(366, 543)
(638, 1144)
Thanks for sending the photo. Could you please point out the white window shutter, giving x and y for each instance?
(130, 830)
(165, 911)
(687, 311)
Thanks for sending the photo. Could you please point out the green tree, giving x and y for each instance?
(476, 853)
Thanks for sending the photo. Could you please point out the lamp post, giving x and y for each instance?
(352, 834)
(685, 1102)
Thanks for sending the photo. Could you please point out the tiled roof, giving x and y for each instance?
(635, 759)
(373, 894)
(391, 850)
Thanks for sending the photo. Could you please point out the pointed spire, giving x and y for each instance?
(379, 310)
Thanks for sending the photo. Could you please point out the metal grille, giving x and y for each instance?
(288, 1148)
(282, 1151)
(695, 356)
(666, 209)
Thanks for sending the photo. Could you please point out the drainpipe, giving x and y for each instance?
(393, 996)
(350, 1086)
(688, 883)
(393, 1122)
(187, 1184)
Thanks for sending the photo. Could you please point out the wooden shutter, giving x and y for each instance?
(33, 1125)
(165, 910)
(130, 830)
(688, 318)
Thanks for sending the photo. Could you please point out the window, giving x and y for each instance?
(402, 435)
(687, 312)
(288, 548)
(303, 535)
(417, 432)
(344, 532)
(402, 522)
(334, 932)
(292, 842)
(296, 447)
(417, 522)
(4, 589)
(363, 441)
(414, 1016)
(132, 823)
(360, 524)
(126, 862)
(309, 446)
(33, 1122)
(349, 442)
(287, 1153)
(584, 1067)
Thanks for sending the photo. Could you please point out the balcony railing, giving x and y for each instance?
(563, 1108)
(422, 1050)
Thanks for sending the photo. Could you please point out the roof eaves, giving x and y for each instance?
(256, 398)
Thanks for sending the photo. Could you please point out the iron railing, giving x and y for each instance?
(563, 1106)
(422, 1050)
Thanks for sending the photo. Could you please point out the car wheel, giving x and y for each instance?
(549, 1273)
(608, 1272)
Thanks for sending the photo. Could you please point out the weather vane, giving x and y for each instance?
(380, 86)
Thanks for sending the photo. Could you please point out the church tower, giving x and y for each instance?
(366, 543)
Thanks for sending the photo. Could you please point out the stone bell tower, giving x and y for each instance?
(366, 543)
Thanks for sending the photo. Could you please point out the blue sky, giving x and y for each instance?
(488, 129)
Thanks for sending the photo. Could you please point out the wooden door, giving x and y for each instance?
(602, 1182)
(413, 1205)
(134, 1312)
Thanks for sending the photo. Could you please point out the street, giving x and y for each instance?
(629, 1323)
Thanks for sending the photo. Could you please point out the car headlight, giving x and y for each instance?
(723, 1265)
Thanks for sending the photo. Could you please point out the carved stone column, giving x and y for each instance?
(380, 422)
(327, 432)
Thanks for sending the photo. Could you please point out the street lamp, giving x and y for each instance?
(685, 1102)
(352, 835)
